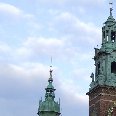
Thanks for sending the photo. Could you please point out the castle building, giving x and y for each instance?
(102, 92)
(49, 107)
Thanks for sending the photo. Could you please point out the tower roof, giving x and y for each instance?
(111, 19)
(49, 105)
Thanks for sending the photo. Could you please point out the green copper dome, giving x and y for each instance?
(110, 20)
(49, 105)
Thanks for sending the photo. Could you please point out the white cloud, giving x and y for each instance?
(14, 11)
(80, 30)
(25, 75)
(43, 47)
(73, 20)
(7, 8)
(71, 91)
(44, 42)
(28, 71)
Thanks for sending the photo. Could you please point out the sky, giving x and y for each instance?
(33, 31)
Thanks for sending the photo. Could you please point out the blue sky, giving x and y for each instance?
(31, 31)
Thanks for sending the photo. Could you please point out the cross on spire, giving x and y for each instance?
(111, 7)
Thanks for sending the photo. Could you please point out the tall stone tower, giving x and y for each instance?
(49, 107)
(102, 92)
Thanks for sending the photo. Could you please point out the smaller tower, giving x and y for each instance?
(49, 107)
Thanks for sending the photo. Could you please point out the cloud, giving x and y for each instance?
(15, 12)
(72, 25)
(7, 8)
(71, 95)
(25, 71)
(44, 42)
(44, 47)
(61, 49)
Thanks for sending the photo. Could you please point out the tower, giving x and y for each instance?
(102, 92)
(49, 107)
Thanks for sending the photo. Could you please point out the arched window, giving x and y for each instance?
(113, 67)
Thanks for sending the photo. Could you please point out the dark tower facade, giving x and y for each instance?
(49, 107)
(102, 92)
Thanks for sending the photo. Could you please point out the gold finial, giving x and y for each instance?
(111, 7)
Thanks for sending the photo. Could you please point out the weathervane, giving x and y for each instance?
(111, 7)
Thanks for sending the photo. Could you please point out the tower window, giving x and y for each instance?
(107, 37)
(98, 68)
(113, 67)
(113, 35)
